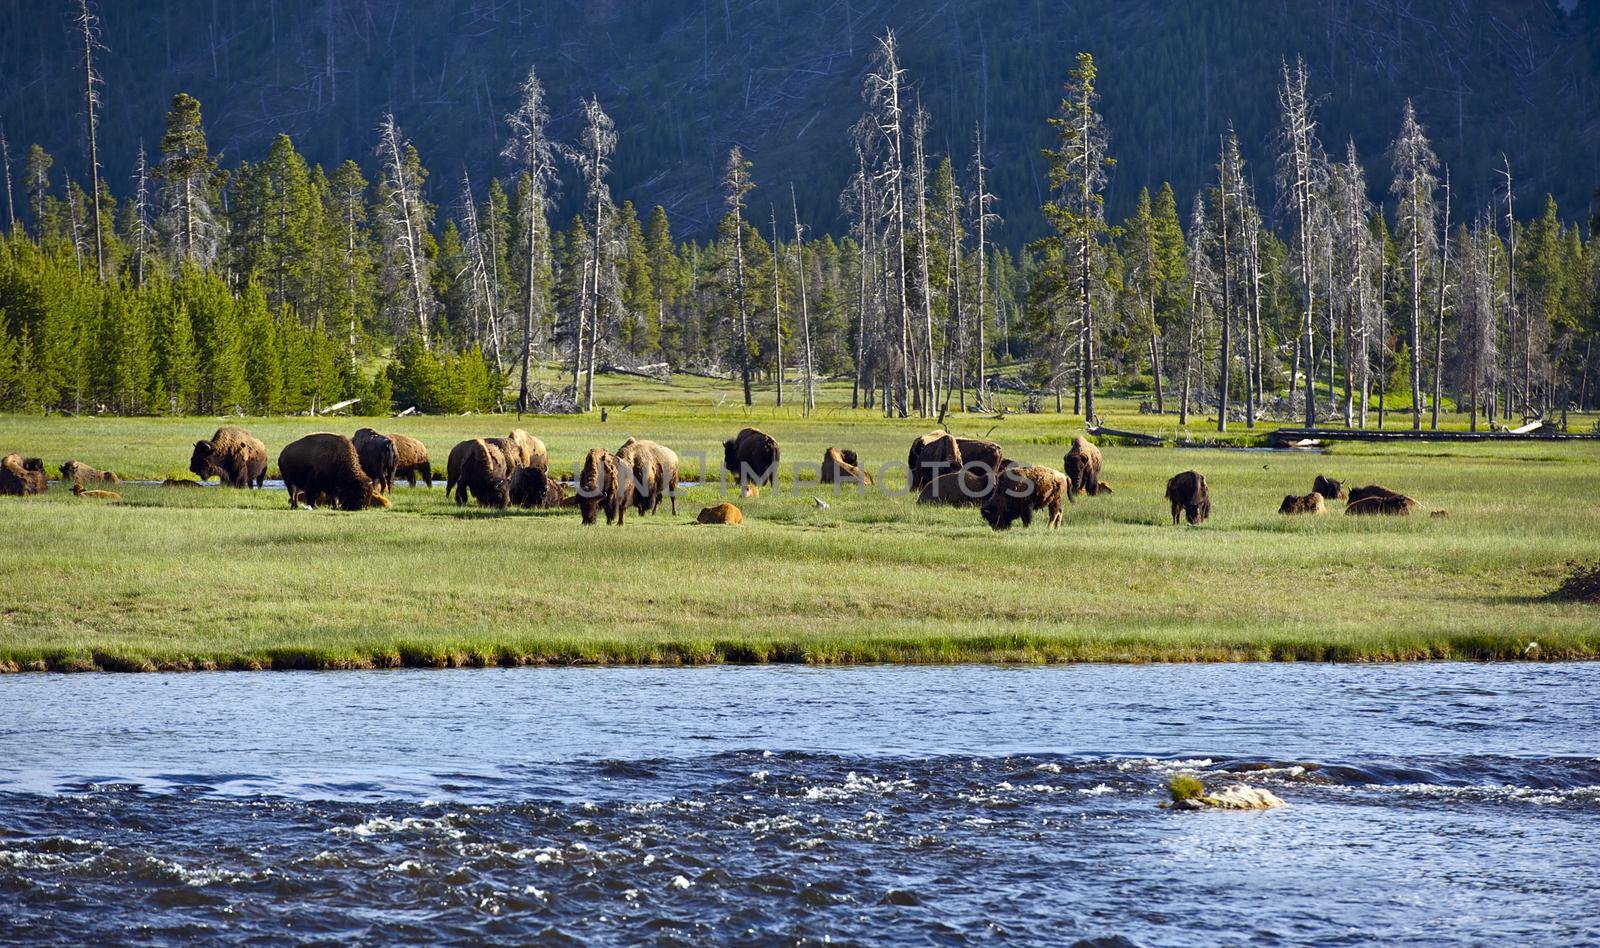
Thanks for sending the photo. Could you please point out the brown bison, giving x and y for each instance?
(1309, 504)
(480, 468)
(1329, 488)
(1358, 494)
(379, 457)
(179, 482)
(532, 487)
(411, 457)
(841, 466)
(1381, 505)
(1020, 491)
(601, 485)
(720, 513)
(523, 449)
(968, 487)
(20, 476)
(751, 456)
(233, 455)
(1187, 493)
(78, 491)
(323, 468)
(655, 474)
(79, 473)
(980, 451)
(1082, 465)
(932, 455)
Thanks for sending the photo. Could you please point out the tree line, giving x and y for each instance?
(279, 286)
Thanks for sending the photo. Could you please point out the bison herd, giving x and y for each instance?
(354, 473)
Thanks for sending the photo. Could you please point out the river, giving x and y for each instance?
(1427, 803)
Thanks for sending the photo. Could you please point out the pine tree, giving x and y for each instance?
(1413, 186)
(263, 360)
(188, 176)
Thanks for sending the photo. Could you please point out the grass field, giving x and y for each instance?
(232, 579)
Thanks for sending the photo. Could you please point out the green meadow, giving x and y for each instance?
(217, 578)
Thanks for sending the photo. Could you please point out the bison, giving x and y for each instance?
(411, 457)
(1309, 504)
(78, 491)
(1358, 494)
(480, 468)
(232, 455)
(379, 458)
(20, 476)
(967, 487)
(981, 451)
(601, 486)
(841, 466)
(932, 455)
(1381, 505)
(1020, 491)
(323, 468)
(655, 474)
(1329, 488)
(532, 487)
(720, 513)
(1187, 494)
(751, 456)
(1082, 465)
(523, 449)
(79, 473)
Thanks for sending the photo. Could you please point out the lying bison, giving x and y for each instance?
(980, 451)
(724, 512)
(1020, 491)
(1358, 494)
(20, 476)
(81, 474)
(379, 458)
(232, 455)
(1329, 488)
(532, 487)
(323, 468)
(841, 466)
(1381, 505)
(480, 468)
(1187, 493)
(601, 485)
(968, 487)
(932, 455)
(1309, 504)
(654, 469)
(111, 495)
(751, 456)
(1082, 465)
(411, 456)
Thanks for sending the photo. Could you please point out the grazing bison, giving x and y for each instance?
(1082, 465)
(78, 491)
(1188, 494)
(323, 468)
(523, 449)
(233, 455)
(841, 466)
(20, 476)
(1381, 505)
(601, 486)
(379, 458)
(1020, 491)
(655, 474)
(79, 473)
(532, 487)
(980, 451)
(967, 487)
(1309, 504)
(411, 457)
(931, 455)
(480, 468)
(1329, 488)
(751, 456)
(720, 513)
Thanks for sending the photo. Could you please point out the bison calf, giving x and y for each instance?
(1309, 504)
(720, 513)
(1187, 493)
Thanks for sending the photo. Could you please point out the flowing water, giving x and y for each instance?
(1427, 803)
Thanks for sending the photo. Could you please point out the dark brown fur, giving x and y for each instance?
(655, 474)
(1188, 494)
(20, 476)
(932, 455)
(751, 456)
(1082, 465)
(411, 457)
(981, 451)
(1329, 488)
(531, 487)
(1358, 494)
(1382, 505)
(599, 486)
(1311, 503)
(77, 472)
(379, 458)
(968, 487)
(233, 455)
(480, 468)
(323, 468)
(179, 482)
(1022, 490)
(840, 466)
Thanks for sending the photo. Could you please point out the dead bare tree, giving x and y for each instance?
(736, 182)
(982, 201)
(809, 402)
(596, 144)
(5, 163)
(919, 183)
(1438, 317)
(1300, 173)
(1413, 187)
(531, 149)
(90, 26)
(404, 226)
(883, 91)
(777, 301)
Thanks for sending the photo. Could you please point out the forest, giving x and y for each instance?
(1282, 288)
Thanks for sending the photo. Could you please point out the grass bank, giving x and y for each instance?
(229, 579)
